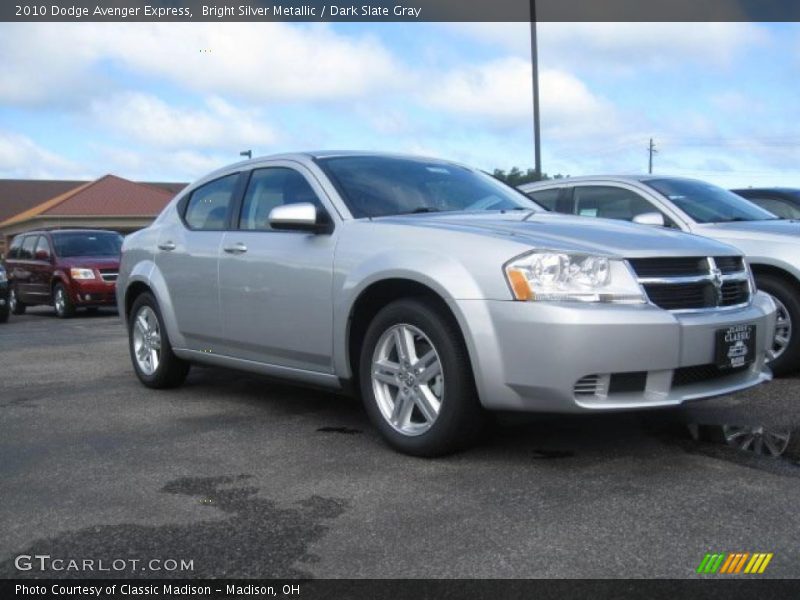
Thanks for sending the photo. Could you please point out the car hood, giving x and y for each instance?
(778, 230)
(90, 262)
(571, 234)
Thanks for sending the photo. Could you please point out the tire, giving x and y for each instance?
(65, 309)
(437, 415)
(4, 312)
(787, 298)
(169, 371)
(15, 305)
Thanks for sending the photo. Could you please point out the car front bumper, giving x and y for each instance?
(582, 358)
(93, 292)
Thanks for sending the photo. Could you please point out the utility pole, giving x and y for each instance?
(537, 142)
(651, 150)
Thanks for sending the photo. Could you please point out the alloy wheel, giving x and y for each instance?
(757, 439)
(60, 301)
(146, 340)
(407, 379)
(783, 331)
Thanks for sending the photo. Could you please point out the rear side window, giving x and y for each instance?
(13, 251)
(273, 187)
(609, 202)
(546, 198)
(26, 252)
(209, 205)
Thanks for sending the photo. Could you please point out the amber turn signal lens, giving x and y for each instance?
(522, 291)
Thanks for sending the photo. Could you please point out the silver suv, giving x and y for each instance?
(771, 244)
(437, 293)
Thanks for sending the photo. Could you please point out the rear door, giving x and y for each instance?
(23, 270)
(276, 286)
(41, 270)
(188, 254)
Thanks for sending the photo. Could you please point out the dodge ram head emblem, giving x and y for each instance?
(716, 280)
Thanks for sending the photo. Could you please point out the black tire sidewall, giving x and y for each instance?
(171, 370)
(20, 306)
(460, 417)
(789, 361)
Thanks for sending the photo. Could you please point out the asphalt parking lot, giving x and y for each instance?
(246, 477)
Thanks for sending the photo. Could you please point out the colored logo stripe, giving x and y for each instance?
(734, 562)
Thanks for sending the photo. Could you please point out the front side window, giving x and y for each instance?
(609, 202)
(707, 203)
(378, 186)
(42, 251)
(28, 245)
(209, 205)
(273, 187)
(78, 244)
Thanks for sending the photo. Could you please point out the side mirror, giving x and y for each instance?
(302, 216)
(655, 219)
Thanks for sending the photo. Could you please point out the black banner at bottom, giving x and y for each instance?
(400, 589)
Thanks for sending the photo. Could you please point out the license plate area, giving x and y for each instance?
(736, 346)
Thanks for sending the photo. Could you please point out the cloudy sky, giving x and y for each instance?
(173, 101)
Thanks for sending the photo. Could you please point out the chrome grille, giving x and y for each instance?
(694, 283)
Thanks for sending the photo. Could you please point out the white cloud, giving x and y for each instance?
(622, 48)
(48, 62)
(146, 118)
(21, 157)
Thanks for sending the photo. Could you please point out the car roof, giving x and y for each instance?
(614, 178)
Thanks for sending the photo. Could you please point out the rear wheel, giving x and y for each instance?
(14, 304)
(416, 380)
(62, 302)
(155, 363)
(784, 354)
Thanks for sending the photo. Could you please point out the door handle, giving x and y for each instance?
(168, 246)
(237, 248)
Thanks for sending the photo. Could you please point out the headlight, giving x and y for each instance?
(560, 277)
(82, 273)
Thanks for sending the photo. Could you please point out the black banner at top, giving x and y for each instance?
(403, 10)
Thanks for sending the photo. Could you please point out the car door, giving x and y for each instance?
(23, 271)
(188, 254)
(613, 202)
(41, 270)
(276, 286)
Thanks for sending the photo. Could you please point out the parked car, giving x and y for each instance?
(781, 202)
(771, 245)
(67, 269)
(4, 310)
(437, 292)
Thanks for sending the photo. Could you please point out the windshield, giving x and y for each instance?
(87, 244)
(377, 186)
(706, 203)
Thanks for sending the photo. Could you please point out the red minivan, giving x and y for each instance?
(65, 268)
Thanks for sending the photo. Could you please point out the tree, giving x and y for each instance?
(516, 177)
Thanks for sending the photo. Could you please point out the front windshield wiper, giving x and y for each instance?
(419, 210)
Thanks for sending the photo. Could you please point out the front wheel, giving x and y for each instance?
(62, 302)
(416, 380)
(154, 362)
(784, 354)
(16, 306)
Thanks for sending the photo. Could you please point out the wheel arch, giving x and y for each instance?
(776, 271)
(379, 294)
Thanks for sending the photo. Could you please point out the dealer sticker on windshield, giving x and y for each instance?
(736, 346)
